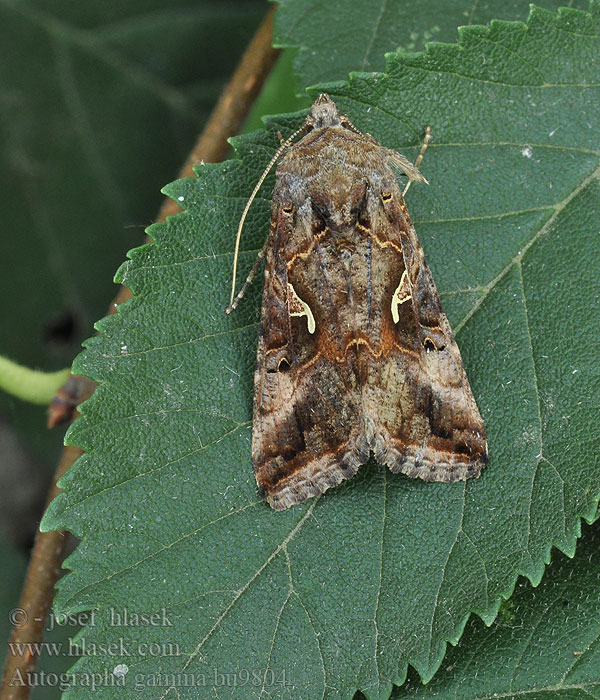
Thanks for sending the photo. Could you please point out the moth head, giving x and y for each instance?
(324, 113)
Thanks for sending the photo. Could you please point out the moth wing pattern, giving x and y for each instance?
(355, 353)
(307, 426)
(422, 419)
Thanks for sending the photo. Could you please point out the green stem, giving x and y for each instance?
(30, 384)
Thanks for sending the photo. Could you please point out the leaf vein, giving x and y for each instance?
(373, 34)
(558, 208)
(155, 469)
(248, 583)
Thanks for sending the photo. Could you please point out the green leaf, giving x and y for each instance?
(355, 36)
(345, 591)
(543, 644)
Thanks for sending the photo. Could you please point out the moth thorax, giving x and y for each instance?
(345, 247)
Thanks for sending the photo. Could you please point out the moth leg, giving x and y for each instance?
(421, 155)
(251, 275)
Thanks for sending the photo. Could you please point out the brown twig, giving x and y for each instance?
(38, 591)
(48, 550)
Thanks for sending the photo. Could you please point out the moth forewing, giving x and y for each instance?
(355, 354)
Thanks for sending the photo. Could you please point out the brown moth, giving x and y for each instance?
(355, 353)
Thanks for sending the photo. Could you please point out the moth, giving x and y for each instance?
(355, 354)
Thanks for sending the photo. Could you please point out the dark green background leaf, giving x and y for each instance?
(337, 38)
(345, 591)
(543, 644)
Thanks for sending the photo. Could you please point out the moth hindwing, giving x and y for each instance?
(355, 352)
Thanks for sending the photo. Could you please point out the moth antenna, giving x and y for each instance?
(262, 178)
(251, 275)
(419, 160)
